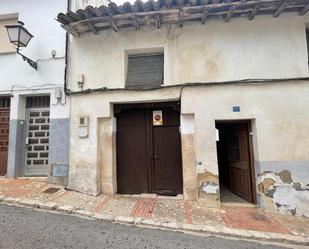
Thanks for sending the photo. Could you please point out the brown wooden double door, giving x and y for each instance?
(148, 155)
(4, 133)
(235, 159)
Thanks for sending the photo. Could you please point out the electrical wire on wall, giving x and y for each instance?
(191, 84)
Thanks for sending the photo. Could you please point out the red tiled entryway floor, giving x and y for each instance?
(21, 187)
(251, 219)
(144, 208)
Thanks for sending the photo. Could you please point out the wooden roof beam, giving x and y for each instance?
(205, 15)
(158, 21)
(71, 30)
(92, 27)
(254, 12)
(135, 23)
(180, 18)
(304, 10)
(113, 24)
(281, 8)
(230, 14)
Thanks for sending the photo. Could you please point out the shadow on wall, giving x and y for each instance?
(279, 193)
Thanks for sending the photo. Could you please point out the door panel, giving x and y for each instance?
(239, 161)
(4, 139)
(132, 156)
(37, 147)
(167, 160)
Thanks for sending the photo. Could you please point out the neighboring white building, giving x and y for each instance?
(191, 97)
(35, 129)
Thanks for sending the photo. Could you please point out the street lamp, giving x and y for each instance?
(20, 37)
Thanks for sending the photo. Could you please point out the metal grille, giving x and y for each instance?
(4, 128)
(38, 140)
(145, 70)
(5, 102)
(38, 102)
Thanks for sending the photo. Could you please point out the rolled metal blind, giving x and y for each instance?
(145, 70)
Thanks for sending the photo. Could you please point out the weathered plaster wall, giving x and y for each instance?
(284, 187)
(188, 157)
(280, 131)
(263, 48)
(89, 160)
(279, 126)
(16, 148)
(107, 154)
(59, 147)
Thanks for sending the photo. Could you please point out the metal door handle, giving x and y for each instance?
(155, 156)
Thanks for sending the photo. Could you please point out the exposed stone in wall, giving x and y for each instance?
(208, 189)
(279, 192)
(189, 170)
(107, 155)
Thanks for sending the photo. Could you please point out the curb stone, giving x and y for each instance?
(172, 225)
(138, 221)
(191, 227)
(65, 209)
(10, 200)
(124, 219)
(223, 231)
(82, 212)
(46, 205)
(105, 217)
(27, 203)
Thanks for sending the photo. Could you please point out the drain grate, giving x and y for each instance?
(51, 190)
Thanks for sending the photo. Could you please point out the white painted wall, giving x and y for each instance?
(265, 48)
(39, 18)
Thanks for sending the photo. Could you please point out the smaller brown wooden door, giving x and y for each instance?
(132, 152)
(4, 139)
(238, 149)
(167, 170)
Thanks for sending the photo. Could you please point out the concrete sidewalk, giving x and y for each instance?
(155, 211)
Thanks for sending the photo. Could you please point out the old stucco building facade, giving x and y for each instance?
(225, 76)
(34, 110)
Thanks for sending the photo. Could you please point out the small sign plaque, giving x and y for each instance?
(157, 118)
(236, 108)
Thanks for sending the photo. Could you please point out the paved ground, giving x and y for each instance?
(30, 229)
(156, 211)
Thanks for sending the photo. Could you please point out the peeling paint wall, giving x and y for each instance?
(281, 192)
(280, 131)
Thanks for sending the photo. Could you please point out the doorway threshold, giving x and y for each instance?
(227, 198)
(154, 196)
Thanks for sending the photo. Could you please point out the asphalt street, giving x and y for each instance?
(30, 229)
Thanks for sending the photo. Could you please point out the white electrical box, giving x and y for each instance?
(83, 126)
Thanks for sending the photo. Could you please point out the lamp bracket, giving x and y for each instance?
(29, 61)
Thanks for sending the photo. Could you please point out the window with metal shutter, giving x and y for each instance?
(145, 70)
